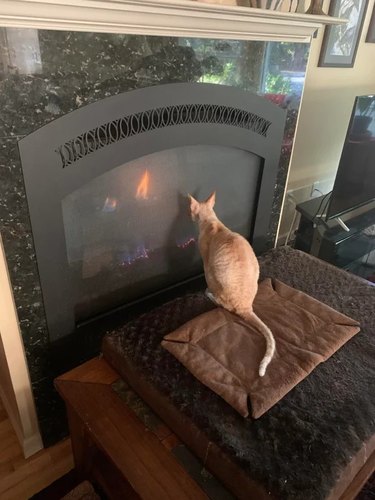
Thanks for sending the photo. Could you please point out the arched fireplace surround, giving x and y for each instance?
(68, 154)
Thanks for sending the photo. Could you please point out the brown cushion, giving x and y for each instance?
(224, 352)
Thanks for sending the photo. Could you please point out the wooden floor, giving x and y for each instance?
(20, 478)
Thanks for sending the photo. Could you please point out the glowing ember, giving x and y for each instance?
(142, 189)
(186, 243)
(141, 252)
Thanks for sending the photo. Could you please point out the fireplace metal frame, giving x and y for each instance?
(62, 156)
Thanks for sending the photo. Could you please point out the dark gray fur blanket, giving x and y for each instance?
(299, 447)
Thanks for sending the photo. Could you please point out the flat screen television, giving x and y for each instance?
(355, 179)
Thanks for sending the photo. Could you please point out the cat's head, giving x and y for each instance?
(202, 210)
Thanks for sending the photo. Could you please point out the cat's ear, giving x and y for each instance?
(211, 200)
(194, 205)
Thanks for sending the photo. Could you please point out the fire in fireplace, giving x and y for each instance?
(107, 186)
(142, 188)
(128, 233)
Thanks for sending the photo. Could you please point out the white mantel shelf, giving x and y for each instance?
(162, 17)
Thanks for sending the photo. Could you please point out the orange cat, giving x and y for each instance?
(231, 270)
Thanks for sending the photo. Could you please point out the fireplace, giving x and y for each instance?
(107, 184)
(96, 115)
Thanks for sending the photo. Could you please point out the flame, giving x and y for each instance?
(142, 189)
(110, 204)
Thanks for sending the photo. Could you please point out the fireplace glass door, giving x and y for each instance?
(128, 232)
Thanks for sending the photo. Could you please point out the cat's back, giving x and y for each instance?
(231, 269)
(225, 242)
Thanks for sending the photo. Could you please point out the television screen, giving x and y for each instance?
(355, 179)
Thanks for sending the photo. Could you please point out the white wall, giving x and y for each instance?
(324, 115)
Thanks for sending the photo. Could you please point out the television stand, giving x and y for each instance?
(344, 244)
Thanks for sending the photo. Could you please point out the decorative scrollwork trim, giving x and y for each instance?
(146, 121)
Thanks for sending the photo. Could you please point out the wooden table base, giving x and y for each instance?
(114, 450)
(112, 447)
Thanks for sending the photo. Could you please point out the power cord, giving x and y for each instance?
(323, 200)
(326, 204)
(316, 189)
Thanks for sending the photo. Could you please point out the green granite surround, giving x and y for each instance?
(46, 74)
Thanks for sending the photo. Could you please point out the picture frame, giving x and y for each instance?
(370, 38)
(340, 42)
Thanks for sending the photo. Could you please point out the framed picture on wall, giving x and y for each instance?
(371, 29)
(340, 42)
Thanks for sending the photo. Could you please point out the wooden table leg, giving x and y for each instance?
(112, 448)
(92, 464)
(82, 448)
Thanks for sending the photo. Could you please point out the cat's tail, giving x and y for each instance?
(270, 340)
